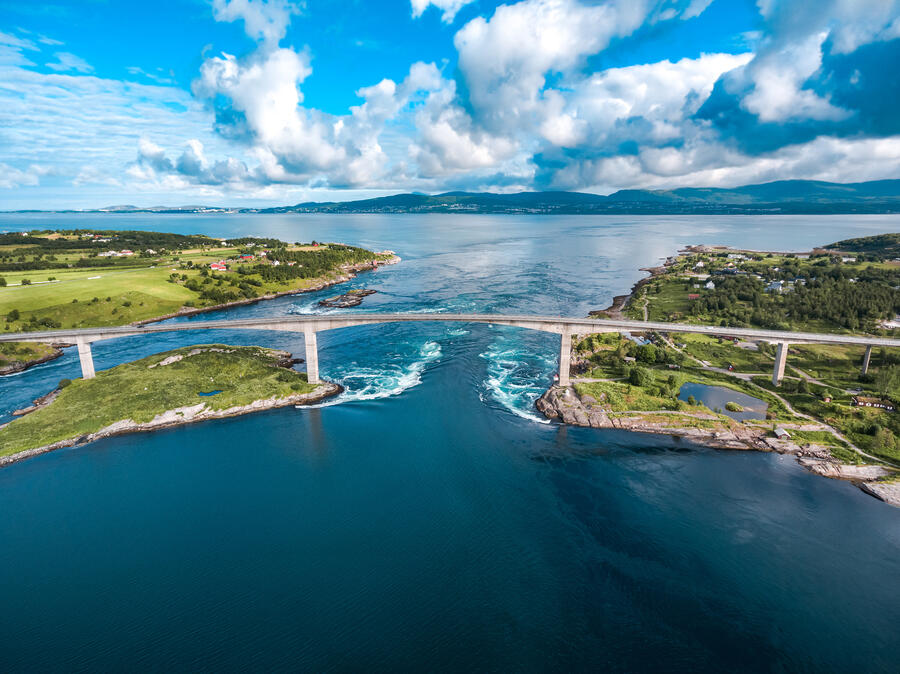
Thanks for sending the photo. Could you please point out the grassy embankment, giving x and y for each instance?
(22, 352)
(138, 392)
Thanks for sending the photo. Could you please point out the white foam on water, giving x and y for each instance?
(511, 384)
(457, 332)
(369, 383)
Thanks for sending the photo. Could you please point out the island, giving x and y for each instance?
(181, 386)
(835, 409)
(88, 278)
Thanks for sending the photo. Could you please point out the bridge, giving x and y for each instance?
(565, 327)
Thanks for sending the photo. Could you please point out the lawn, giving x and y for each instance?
(139, 392)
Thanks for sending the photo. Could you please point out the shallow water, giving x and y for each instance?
(716, 397)
(427, 518)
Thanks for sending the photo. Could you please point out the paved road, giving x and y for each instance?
(554, 324)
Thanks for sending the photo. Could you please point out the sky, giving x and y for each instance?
(272, 102)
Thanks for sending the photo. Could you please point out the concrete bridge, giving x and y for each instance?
(565, 327)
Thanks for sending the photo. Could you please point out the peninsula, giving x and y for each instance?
(835, 408)
(185, 385)
(90, 278)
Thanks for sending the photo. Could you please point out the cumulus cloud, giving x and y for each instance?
(264, 20)
(448, 8)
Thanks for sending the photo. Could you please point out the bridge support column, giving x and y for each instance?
(86, 358)
(565, 357)
(312, 356)
(866, 359)
(780, 360)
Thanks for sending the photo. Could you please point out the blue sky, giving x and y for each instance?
(253, 102)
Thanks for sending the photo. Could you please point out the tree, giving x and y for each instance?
(886, 380)
(2, 282)
(640, 376)
(12, 316)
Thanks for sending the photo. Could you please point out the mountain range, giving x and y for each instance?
(780, 197)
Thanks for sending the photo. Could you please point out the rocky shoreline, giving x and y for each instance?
(181, 416)
(21, 366)
(563, 404)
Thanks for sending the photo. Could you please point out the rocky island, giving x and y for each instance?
(351, 298)
(717, 390)
(167, 389)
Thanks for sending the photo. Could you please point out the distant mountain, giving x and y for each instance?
(783, 196)
(786, 196)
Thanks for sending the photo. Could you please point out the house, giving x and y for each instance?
(245, 258)
(218, 266)
(867, 401)
(125, 253)
(699, 265)
(693, 296)
(775, 287)
(710, 285)
(736, 256)
(782, 434)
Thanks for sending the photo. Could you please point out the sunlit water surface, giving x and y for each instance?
(428, 518)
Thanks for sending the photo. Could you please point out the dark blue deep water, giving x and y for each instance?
(427, 519)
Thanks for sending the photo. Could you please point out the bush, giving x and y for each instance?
(2, 282)
(13, 316)
(640, 376)
(26, 281)
(733, 407)
(692, 400)
(63, 383)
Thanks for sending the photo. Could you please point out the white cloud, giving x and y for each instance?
(707, 163)
(264, 20)
(11, 177)
(778, 78)
(66, 62)
(449, 8)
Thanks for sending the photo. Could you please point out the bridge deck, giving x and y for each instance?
(553, 324)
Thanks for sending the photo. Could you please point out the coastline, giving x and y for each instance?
(564, 405)
(180, 417)
(349, 272)
(21, 366)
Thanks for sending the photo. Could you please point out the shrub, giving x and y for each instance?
(692, 400)
(640, 376)
(63, 383)
(26, 281)
(2, 282)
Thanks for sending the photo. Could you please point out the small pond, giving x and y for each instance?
(215, 393)
(717, 396)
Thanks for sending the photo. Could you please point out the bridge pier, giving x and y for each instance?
(866, 359)
(780, 360)
(86, 358)
(565, 357)
(312, 356)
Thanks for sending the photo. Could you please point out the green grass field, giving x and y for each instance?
(138, 392)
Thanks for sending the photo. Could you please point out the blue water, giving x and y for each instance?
(716, 397)
(206, 394)
(427, 518)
